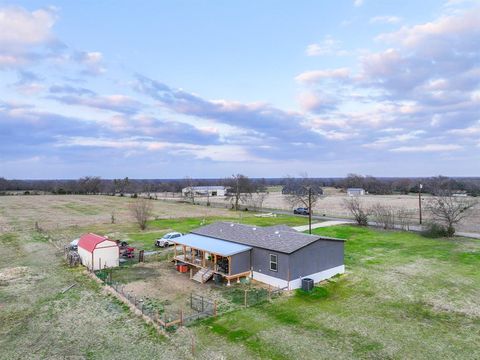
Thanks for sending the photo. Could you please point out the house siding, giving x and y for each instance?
(261, 263)
(316, 257)
(240, 262)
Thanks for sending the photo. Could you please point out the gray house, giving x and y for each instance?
(275, 255)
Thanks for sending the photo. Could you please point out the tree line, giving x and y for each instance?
(373, 185)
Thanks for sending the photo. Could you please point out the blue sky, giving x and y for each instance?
(209, 88)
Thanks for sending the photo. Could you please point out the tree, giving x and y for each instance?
(240, 189)
(257, 199)
(358, 211)
(189, 184)
(141, 210)
(305, 192)
(449, 210)
(384, 215)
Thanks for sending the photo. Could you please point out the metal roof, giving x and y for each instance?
(276, 238)
(213, 187)
(211, 245)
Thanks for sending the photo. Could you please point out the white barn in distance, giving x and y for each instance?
(205, 190)
(355, 192)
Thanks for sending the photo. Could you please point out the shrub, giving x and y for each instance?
(435, 230)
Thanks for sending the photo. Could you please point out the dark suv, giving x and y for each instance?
(301, 211)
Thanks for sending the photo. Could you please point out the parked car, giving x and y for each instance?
(74, 244)
(301, 211)
(166, 240)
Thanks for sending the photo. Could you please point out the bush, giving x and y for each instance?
(434, 230)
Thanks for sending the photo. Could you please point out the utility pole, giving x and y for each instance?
(310, 210)
(420, 201)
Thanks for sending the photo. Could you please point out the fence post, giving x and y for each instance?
(214, 307)
(181, 317)
(245, 298)
(191, 300)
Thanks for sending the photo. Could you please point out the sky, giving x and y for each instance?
(168, 89)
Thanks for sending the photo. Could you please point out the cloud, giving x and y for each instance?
(260, 117)
(68, 89)
(385, 141)
(468, 131)
(358, 3)
(428, 148)
(329, 46)
(316, 75)
(91, 61)
(317, 102)
(23, 32)
(385, 19)
(117, 102)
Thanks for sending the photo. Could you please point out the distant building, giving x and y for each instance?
(355, 192)
(205, 190)
(460, 193)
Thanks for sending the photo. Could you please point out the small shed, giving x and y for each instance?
(98, 252)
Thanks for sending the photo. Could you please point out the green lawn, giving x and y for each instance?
(403, 296)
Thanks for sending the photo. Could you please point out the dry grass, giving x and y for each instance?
(56, 212)
(332, 205)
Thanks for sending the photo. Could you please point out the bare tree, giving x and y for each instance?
(240, 189)
(189, 184)
(449, 210)
(358, 211)
(404, 216)
(257, 199)
(141, 210)
(384, 215)
(303, 191)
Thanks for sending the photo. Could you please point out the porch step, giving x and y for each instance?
(203, 275)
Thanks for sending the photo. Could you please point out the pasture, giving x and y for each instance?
(403, 296)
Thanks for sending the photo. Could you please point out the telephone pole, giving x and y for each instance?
(310, 210)
(420, 202)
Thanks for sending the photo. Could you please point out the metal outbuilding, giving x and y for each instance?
(98, 252)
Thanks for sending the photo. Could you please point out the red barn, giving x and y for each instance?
(98, 252)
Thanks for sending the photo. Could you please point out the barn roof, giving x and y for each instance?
(90, 241)
(279, 238)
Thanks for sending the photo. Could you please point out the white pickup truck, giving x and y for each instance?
(166, 240)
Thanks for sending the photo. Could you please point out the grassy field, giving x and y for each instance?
(403, 296)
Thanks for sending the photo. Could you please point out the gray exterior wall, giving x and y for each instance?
(240, 262)
(261, 263)
(318, 256)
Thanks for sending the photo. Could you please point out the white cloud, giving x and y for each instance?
(358, 3)
(427, 148)
(329, 46)
(19, 27)
(21, 31)
(385, 19)
(316, 75)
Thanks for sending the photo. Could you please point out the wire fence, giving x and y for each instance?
(200, 307)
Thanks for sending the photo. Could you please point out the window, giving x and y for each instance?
(273, 262)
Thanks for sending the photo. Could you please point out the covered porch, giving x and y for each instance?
(212, 256)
